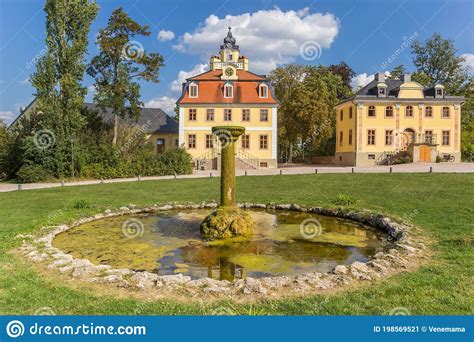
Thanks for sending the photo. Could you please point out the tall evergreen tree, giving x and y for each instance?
(58, 83)
(120, 64)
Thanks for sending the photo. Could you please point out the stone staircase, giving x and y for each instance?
(391, 157)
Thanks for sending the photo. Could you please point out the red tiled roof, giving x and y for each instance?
(211, 89)
(215, 75)
(212, 92)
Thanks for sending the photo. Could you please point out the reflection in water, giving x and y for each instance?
(171, 244)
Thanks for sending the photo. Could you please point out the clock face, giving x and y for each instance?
(229, 71)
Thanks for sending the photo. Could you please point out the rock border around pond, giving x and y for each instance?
(406, 251)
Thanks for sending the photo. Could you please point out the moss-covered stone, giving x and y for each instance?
(224, 224)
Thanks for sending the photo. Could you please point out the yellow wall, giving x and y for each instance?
(345, 125)
(170, 139)
(201, 127)
(254, 149)
(219, 117)
(419, 123)
(411, 90)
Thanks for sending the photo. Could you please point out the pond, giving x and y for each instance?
(283, 243)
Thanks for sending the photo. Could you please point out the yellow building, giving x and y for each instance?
(391, 119)
(229, 94)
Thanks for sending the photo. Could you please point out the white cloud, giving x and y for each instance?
(25, 81)
(176, 85)
(267, 37)
(166, 103)
(468, 61)
(361, 80)
(91, 89)
(6, 117)
(164, 36)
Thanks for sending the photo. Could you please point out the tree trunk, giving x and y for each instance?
(290, 153)
(114, 140)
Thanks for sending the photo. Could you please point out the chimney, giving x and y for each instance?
(406, 78)
(380, 76)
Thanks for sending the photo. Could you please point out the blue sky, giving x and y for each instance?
(366, 34)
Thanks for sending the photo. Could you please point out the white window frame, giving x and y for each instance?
(228, 85)
(260, 91)
(192, 85)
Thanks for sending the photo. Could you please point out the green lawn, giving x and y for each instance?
(442, 204)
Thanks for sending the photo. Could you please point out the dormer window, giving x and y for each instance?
(193, 90)
(263, 91)
(439, 91)
(228, 91)
(381, 89)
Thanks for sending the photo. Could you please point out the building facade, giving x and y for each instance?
(388, 120)
(229, 95)
(156, 126)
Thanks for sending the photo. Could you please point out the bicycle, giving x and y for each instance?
(448, 157)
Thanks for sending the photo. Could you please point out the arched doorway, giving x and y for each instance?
(408, 137)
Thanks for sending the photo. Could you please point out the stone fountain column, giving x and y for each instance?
(227, 221)
(227, 137)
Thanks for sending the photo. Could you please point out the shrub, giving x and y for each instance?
(403, 160)
(31, 173)
(144, 163)
(438, 159)
(176, 161)
(344, 200)
(81, 204)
